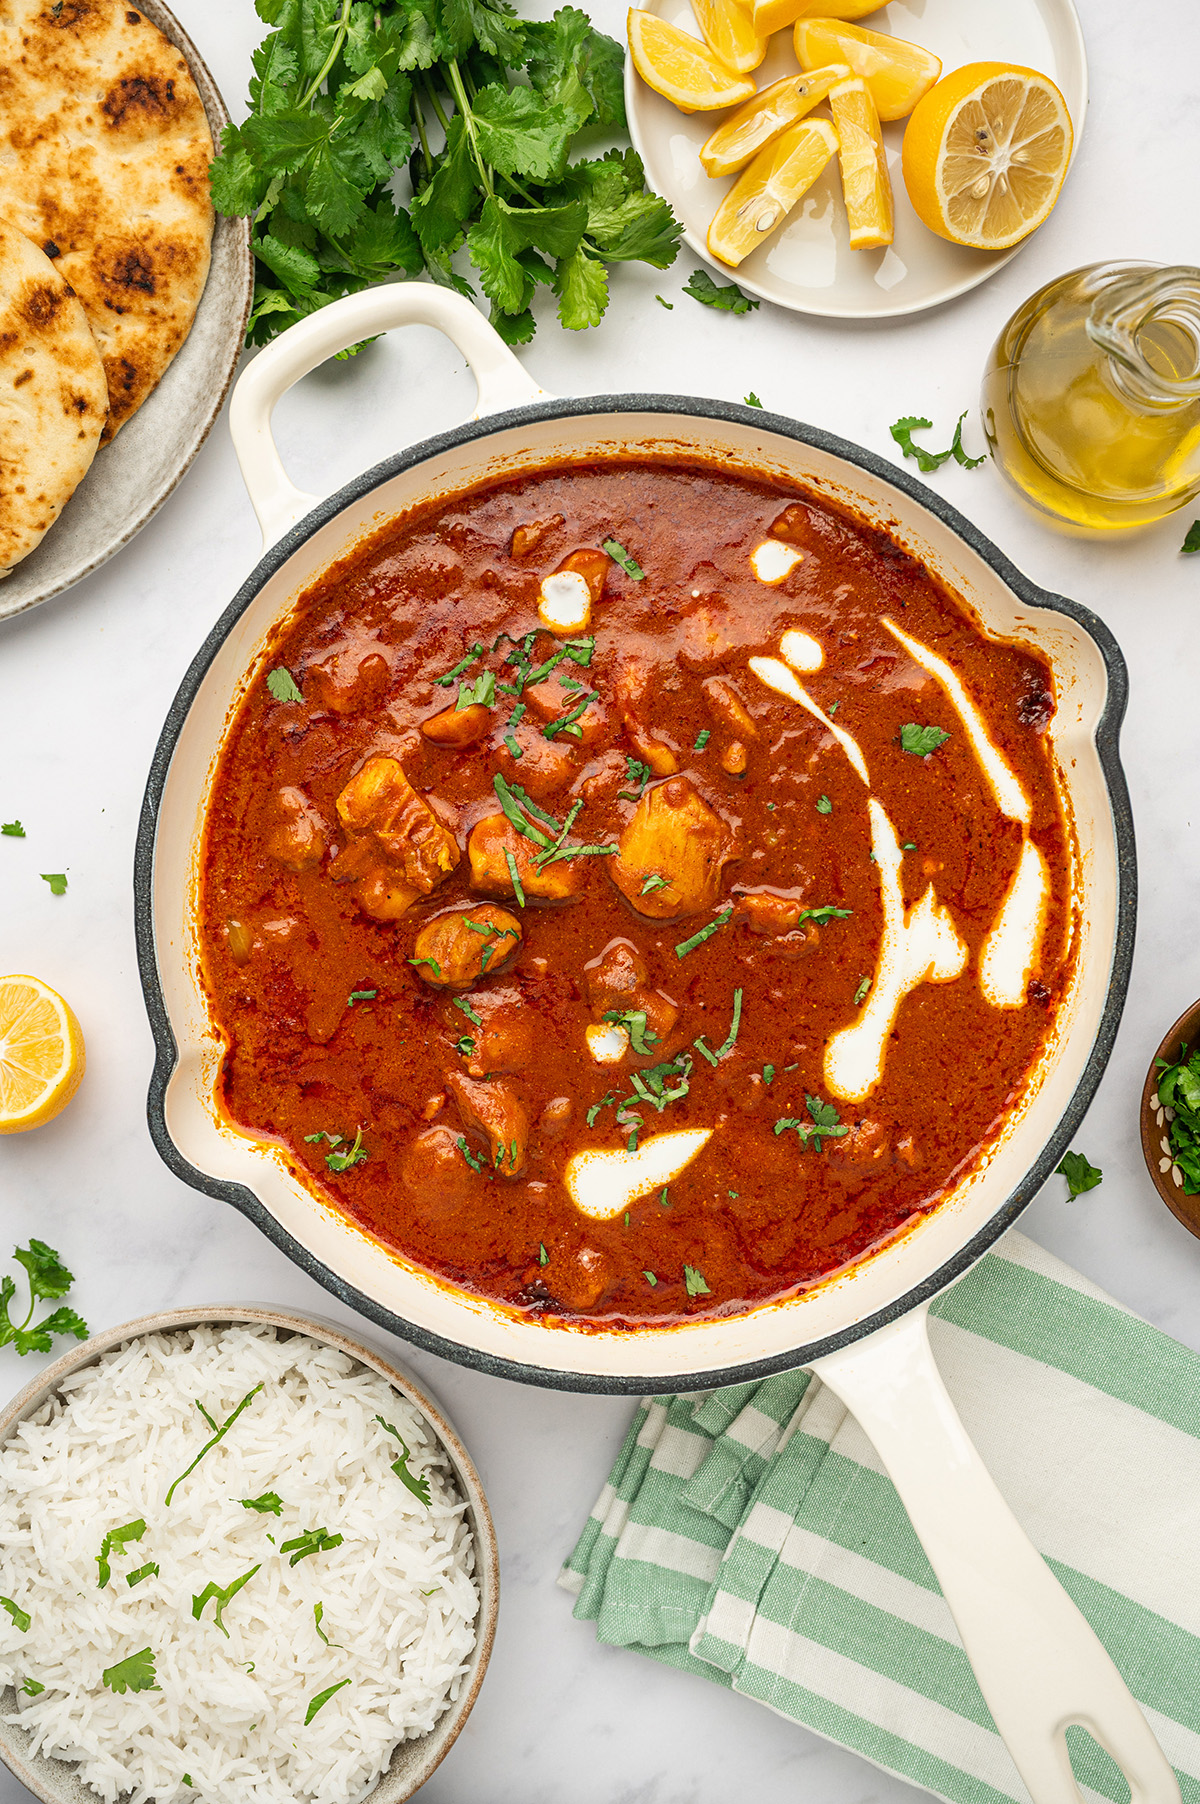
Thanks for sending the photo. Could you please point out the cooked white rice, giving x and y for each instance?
(398, 1598)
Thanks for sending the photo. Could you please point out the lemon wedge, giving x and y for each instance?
(896, 72)
(773, 15)
(726, 29)
(866, 185)
(765, 193)
(681, 68)
(985, 154)
(41, 1054)
(762, 119)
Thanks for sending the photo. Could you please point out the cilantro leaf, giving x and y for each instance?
(321, 1699)
(824, 805)
(418, 1486)
(751, 400)
(921, 740)
(1080, 1175)
(1191, 543)
(698, 939)
(12, 830)
(641, 1039)
(57, 881)
(619, 555)
(354, 1155)
(48, 1278)
(115, 1538)
(694, 1282)
(283, 685)
(222, 1595)
(902, 431)
(31, 1688)
(133, 1674)
(302, 1547)
(209, 1445)
(21, 1618)
(725, 297)
(269, 1504)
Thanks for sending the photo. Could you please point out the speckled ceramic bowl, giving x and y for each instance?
(1156, 1147)
(132, 477)
(57, 1781)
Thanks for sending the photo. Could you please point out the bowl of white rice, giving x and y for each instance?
(244, 1559)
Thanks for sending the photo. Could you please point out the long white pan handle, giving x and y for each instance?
(1039, 1664)
(499, 378)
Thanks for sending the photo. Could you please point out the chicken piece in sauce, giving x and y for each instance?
(398, 849)
(506, 1040)
(494, 1110)
(300, 837)
(618, 982)
(458, 726)
(494, 840)
(435, 1173)
(455, 949)
(672, 853)
(346, 682)
(633, 682)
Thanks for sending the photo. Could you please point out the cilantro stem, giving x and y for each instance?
(468, 119)
(339, 38)
(435, 103)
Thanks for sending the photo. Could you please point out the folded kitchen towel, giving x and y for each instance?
(749, 1535)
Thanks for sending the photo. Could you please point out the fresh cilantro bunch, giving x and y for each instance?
(48, 1278)
(480, 111)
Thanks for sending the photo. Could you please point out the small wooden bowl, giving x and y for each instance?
(1155, 1145)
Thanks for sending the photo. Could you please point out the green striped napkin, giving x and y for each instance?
(750, 1535)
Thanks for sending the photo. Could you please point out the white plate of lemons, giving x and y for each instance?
(853, 160)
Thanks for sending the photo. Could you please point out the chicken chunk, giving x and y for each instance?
(527, 538)
(866, 1151)
(435, 1174)
(493, 838)
(299, 839)
(727, 707)
(672, 853)
(613, 979)
(544, 767)
(495, 1110)
(458, 726)
(767, 913)
(632, 686)
(580, 1279)
(398, 849)
(793, 524)
(456, 949)
(347, 682)
(506, 1041)
(549, 700)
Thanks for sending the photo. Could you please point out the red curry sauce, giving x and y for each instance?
(470, 1100)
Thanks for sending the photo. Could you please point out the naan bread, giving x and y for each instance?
(53, 396)
(104, 154)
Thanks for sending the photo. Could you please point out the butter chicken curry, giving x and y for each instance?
(634, 891)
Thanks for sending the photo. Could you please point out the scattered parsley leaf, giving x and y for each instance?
(360, 996)
(694, 1282)
(635, 772)
(1190, 543)
(469, 1156)
(134, 1674)
(825, 1123)
(604, 1103)
(921, 740)
(642, 1041)
(354, 1155)
(620, 556)
(515, 879)
(31, 1688)
(149, 1570)
(902, 431)
(209, 1445)
(48, 1279)
(653, 882)
(418, 1486)
(269, 1504)
(725, 297)
(705, 933)
(302, 1547)
(116, 1537)
(714, 1058)
(479, 694)
(321, 1699)
(318, 1614)
(824, 805)
(21, 1618)
(702, 739)
(283, 685)
(13, 830)
(462, 1002)
(1079, 1174)
(751, 400)
(57, 881)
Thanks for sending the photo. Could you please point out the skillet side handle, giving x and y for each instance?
(1039, 1664)
(499, 378)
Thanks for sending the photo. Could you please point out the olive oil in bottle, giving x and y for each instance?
(1091, 396)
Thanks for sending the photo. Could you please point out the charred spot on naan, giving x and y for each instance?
(141, 105)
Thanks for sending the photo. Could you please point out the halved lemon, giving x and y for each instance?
(866, 184)
(772, 15)
(762, 119)
(765, 193)
(726, 29)
(897, 73)
(680, 67)
(41, 1054)
(985, 154)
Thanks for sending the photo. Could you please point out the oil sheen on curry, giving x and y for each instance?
(634, 891)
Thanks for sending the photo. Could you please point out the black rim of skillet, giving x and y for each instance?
(770, 425)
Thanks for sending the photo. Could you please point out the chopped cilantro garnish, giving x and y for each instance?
(21, 1618)
(515, 879)
(283, 685)
(641, 1039)
(321, 1699)
(361, 996)
(514, 749)
(725, 297)
(475, 1163)
(826, 1123)
(768, 1073)
(651, 1280)
(751, 400)
(418, 1486)
(543, 1255)
(824, 805)
(117, 1537)
(220, 1595)
(861, 992)
(340, 1161)
(635, 772)
(1192, 539)
(714, 1058)
(269, 1504)
(31, 1688)
(823, 915)
(664, 1201)
(1080, 1175)
(702, 739)
(431, 962)
(921, 740)
(478, 694)
(12, 830)
(57, 881)
(519, 814)
(620, 556)
(568, 722)
(694, 1282)
(1179, 1091)
(461, 1002)
(318, 1615)
(464, 1046)
(444, 682)
(209, 1445)
(302, 1547)
(910, 845)
(48, 1278)
(134, 1674)
(902, 431)
(705, 933)
(653, 882)
(604, 1103)
(149, 1570)
(651, 1085)
(669, 305)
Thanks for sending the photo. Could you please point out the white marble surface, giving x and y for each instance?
(86, 680)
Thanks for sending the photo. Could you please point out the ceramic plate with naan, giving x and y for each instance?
(53, 396)
(104, 153)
